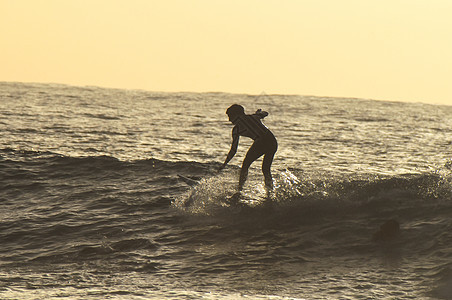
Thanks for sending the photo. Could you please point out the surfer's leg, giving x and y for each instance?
(255, 151)
(272, 146)
(266, 169)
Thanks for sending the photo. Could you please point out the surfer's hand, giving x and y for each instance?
(262, 114)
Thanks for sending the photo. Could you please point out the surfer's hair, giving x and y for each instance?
(235, 109)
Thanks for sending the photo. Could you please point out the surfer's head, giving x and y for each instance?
(235, 111)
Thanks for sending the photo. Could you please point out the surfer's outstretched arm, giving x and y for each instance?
(232, 151)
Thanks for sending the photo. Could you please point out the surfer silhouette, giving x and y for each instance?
(264, 142)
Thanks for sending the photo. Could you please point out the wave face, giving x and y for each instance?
(85, 214)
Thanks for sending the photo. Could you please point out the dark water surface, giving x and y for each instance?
(91, 205)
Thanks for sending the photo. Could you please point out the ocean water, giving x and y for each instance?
(91, 206)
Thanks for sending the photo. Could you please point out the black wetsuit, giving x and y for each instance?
(264, 144)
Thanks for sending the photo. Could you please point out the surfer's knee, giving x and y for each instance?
(246, 164)
(243, 177)
(244, 171)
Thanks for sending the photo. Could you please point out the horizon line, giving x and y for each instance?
(224, 92)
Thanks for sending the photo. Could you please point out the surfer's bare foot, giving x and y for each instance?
(270, 190)
(234, 199)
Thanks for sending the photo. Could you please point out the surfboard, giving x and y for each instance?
(234, 200)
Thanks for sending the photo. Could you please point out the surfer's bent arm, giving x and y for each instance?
(232, 151)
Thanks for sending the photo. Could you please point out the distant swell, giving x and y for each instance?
(54, 164)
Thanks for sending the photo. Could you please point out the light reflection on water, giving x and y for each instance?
(333, 134)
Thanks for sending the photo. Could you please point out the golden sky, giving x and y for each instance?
(378, 49)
